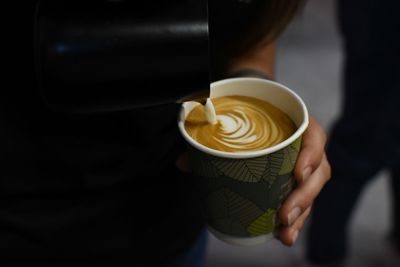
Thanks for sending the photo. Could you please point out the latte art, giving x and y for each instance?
(243, 124)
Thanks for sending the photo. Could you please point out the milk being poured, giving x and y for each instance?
(210, 112)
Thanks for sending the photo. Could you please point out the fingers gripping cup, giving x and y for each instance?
(244, 164)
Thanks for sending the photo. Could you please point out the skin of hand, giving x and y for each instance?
(312, 170)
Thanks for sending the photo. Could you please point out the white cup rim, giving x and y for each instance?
(249, 154)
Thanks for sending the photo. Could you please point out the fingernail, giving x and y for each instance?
(293, 215)
(307, 173)
(295, 236)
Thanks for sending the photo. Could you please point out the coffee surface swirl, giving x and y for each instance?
(244, 124)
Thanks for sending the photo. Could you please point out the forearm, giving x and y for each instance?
(261, 58)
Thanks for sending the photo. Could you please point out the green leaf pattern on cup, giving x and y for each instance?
(296, 145)
(274, 164)
(264, 224)
(244, 170)
(231, 211)
(290, 157)
(241, 196)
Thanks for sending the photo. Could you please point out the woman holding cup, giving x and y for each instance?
(87, 188)
(254, 57)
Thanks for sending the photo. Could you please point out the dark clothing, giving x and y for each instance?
(81, 188)
(365, 139)
(230, 21)
(98, 186)
(87, 187)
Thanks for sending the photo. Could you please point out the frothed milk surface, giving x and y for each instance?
(243, 124)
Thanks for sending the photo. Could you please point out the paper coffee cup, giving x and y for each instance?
(241, 191)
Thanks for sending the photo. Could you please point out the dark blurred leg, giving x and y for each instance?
(363, 141)
(327, 239)
(395, 190)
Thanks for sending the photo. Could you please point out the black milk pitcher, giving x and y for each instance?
(102, 56)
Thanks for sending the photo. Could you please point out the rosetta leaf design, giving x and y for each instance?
(244, 170)
(264, 224)
(274, 164)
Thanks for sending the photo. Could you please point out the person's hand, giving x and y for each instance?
(311, 172)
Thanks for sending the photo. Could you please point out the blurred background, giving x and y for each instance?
(309, 61)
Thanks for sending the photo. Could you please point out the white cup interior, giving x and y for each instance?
(273, 92)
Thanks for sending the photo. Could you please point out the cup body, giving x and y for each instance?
(241, 192)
